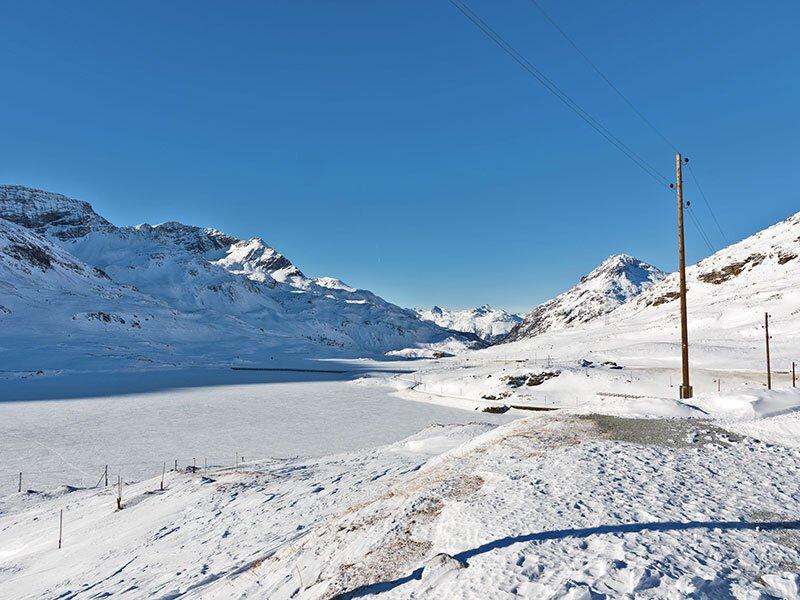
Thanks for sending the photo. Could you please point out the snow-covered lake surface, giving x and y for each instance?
(65, 429)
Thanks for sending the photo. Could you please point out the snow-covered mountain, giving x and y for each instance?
(634, 352)
(490, 324)
(618, 279)
(76, 289)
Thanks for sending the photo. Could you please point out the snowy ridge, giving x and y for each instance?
(202, 240)
(490, 324)
(612, 283)
(212, 298)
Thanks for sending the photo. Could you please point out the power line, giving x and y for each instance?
(548, 84)
(553, 88)
(708, 205)
(633, 107)
(700, 229)
(604, 78)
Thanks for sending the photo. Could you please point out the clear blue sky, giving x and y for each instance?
(391, 145)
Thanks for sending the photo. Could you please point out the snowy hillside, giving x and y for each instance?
(633, 353)
(207, 296)
(615, 281)
(553, 506)
(488, 323)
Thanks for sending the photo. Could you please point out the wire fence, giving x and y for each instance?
(29, 478)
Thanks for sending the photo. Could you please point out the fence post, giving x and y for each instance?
(119, 492)
(60, 526)
(105, 473)
(19, 487)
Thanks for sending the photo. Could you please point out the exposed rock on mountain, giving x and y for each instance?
(49, 214)
(765, 260)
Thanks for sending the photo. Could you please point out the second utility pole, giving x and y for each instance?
(766, 333)
(685, 389)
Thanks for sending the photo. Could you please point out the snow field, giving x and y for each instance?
(552, 506)
(202, 414)
(219, 526)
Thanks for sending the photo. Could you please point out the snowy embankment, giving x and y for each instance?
(554, 505)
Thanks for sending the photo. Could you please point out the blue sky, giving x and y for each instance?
(390, 144)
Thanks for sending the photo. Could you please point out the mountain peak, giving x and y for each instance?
(48, 213)
(255, 259)
(616, 261)
(613, 282)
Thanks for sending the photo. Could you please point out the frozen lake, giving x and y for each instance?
(65, 429)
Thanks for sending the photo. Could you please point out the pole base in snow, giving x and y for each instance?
(686, 392)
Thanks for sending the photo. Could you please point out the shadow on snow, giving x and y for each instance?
(466, 555)
(69, 386)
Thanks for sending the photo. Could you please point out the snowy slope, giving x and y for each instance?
(615, 281)
(554, 506)
(632, 355)
(486, 322)
(58, 312)
(219, 299)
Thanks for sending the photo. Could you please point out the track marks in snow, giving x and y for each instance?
(549, 506)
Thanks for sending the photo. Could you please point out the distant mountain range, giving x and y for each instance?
(490, 324)
(77, 292)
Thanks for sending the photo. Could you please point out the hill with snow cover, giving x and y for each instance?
(615, 281)
(634, 353)
(78, 292)
(490, 324)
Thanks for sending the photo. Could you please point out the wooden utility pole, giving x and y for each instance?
(766, 334)
(685, 389)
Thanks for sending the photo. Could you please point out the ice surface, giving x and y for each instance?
(134, 422)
